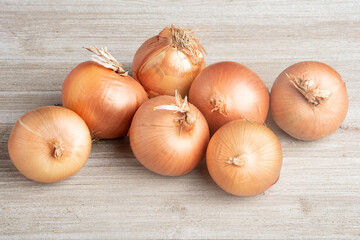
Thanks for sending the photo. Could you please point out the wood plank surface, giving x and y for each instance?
(113, 196)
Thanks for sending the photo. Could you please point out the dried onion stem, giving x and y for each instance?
(103, 57)
(308, 89)
(185, 40)
(181, 106)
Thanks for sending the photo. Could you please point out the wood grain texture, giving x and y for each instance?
(113, 196)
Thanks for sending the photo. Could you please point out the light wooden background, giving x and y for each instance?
(113, 196)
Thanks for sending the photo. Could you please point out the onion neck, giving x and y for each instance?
(218, 104)
(58, 150)
(308, 89)
(187, 119)
(184, 40)
(238, 160)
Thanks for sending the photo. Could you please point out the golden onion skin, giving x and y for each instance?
(300, 118)
(162, 66)
(244, 158)
(49, 144)
(105, 100)
(228, 91)
(161, 145)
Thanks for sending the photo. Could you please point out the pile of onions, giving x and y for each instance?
(227, 91)
(49, 144)
(169, 61)
(103, 94)
(309, 100)
(244, 158)
(168, 135)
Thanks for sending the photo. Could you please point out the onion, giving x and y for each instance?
(309, 100)
(168, 135)
(227, 91)
(244, 158)
(169, 61)
(103, 94)
(49, 144)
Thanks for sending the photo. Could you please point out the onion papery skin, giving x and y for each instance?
(162, 67)
(105, 100)
(260, 157)
(300, 118)
(228, 91)
(161, 145)
(49, 144)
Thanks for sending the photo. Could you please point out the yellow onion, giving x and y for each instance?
(227, 91)
(169, 61)
(168, 135)
(309, 100)
(244, 158)
(49, 144)
(103, 94)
